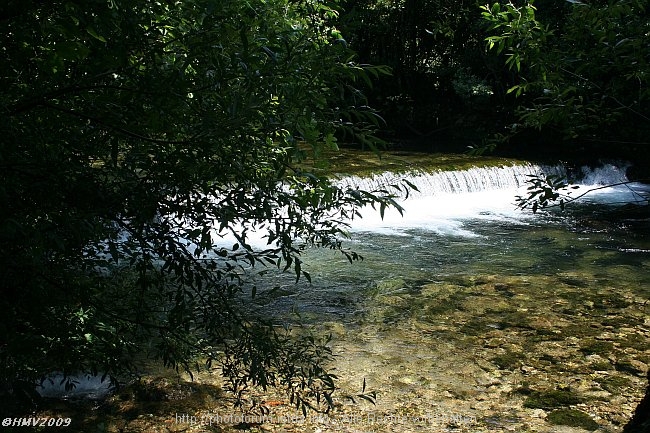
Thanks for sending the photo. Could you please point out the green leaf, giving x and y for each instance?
(91, 31)
(297, 268)
(71, 50)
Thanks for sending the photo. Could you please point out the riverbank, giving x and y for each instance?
(346, 162)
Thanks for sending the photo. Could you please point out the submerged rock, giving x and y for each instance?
(572, 418)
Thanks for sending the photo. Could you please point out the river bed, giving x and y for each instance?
(465, 315)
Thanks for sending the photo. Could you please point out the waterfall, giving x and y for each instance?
(607, 174)
(471, 180)
(449, 202)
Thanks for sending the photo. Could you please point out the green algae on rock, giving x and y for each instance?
(551, 399)
(572, 418)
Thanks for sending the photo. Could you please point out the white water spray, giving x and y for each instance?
(471, 180)
(447, 200)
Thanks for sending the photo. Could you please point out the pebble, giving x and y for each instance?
(461, 379)
(538, 413)
(488, 381)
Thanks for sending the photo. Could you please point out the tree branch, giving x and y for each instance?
(626, 183)
(112, 127)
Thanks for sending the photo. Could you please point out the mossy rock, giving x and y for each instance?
(517, 319)
(474, 327)
(574, 282)
(508, 360)
(572, 418)
(626, 366)
(581, 330)
(445, 304)
(614, 384)
(619, 321)
(595, 347)
(545, 335)
(611, 300)
(389, 285)
(601, 366)
(550, 358)
(551, 399)
(635, 341)
(367, 163)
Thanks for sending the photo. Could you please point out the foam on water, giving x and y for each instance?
(471, 180)
(448, 200)
(84, 386)
(444, 214)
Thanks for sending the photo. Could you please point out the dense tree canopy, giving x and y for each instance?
(438, 93)
(136, 137)
(562, 77)
(581, 70)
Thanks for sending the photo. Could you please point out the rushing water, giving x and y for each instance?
(465, 299)
(466, 224)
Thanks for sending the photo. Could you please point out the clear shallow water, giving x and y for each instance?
(465, 298)
(445, 236)
(464, 280)
(403, 262)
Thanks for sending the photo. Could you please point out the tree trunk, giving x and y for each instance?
(640, 422)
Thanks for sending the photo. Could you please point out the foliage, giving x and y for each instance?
(583, 67)
(469, 87)
(142, 144)
(544, 191)
(435, 51)
(553, 190)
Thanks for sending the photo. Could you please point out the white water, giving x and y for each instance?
(450, 202)
(446, 201)
(475, 179)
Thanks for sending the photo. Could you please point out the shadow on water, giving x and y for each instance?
(468, 308)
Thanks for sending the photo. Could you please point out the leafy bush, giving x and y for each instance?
(137, 138)
(582, 67)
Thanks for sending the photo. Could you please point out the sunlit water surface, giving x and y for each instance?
(464, 297)
(480, 231)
